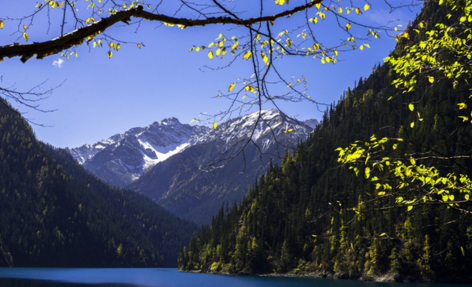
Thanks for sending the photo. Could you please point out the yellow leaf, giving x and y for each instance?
(366, 7)
(340, 10)
(118, 46)
(1, 24)
(358, 11)
(24, 27)
(410, 208)
(110, 54)
(139, 46)
(348, 26)
(466, 197)
(413, 161)
(412, 124)
(431, 79)
(25, 36)
(214, 125)
(411, 106)
(87, 20)
(383, 234)
(318, 5)
(210, 54)
(231, 87)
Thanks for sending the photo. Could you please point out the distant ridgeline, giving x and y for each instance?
(297, 217)
(55, 213)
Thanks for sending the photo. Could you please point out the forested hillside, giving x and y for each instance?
(298, 217)
(54, 213)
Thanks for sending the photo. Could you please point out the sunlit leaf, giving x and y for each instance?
(210, 54)
(411, 107)
(410, 208)
(366, 7)
(214, 125)
(231, 87)
(110, 53)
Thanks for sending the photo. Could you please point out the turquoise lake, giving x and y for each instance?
(164, 277)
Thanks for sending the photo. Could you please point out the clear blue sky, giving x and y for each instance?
(101, 97)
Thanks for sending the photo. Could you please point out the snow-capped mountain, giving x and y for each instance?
(164, 160)
(178, 184)
(122, 158)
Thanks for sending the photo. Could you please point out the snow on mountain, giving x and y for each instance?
(123, 158)
(270, 123)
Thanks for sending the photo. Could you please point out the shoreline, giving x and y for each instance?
(387, 278)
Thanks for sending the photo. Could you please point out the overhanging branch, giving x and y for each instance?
(76, 37)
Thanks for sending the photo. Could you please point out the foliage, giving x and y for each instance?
(439, 52)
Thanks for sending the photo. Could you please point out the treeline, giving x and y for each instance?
(298, 217)
(54, 213)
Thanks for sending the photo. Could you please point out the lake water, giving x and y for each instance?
(164, 277)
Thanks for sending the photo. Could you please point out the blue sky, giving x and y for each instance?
(100, 97)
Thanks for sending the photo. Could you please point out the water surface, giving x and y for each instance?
(166, 277)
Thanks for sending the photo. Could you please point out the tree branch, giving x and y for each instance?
(76, 37)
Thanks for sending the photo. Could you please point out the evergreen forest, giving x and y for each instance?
(54, 213)
(298, 218)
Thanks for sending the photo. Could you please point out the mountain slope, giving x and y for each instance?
(124, 157)
(179, 186)
(298, 217)
(54, 213)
